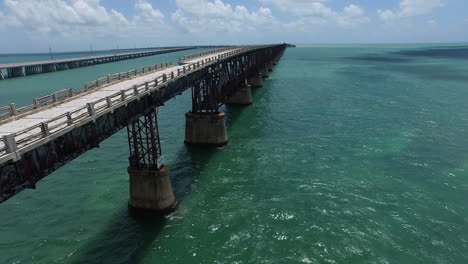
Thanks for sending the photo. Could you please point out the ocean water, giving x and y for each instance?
(349, 154)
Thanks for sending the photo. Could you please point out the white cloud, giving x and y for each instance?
(59, 15)
(313, 12)
(146, 13)
(74, 17)
(410, 8)
(216, 16)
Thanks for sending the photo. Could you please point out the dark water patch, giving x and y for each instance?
(431, 72)
(379, 58)
(126, 240)
(446, 53)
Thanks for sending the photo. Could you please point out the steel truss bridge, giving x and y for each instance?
(38, 139)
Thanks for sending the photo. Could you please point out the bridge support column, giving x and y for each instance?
(150, 185)
(206, 129)
(265, 73)
(256, 81)
(243, 96)
(270, 67)
(151, 189)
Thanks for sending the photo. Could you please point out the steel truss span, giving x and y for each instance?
(36, 143)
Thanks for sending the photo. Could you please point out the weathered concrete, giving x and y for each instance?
(151, 189)
(265, 73)
(1, 75)
(243, 96)
(209, 129)
(256, 81)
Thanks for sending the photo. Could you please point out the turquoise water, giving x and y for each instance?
(349, 154)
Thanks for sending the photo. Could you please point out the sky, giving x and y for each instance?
(69, 25)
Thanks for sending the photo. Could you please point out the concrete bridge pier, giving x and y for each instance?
(62, 66)
(205, 125)
(150, 185)
(49, 68)
(33, 70)
(243, 96)
(1, 75)
(270, 67)
(73, 65)
(256, 81)
(265, 73)
(206, 129)
(15, 72)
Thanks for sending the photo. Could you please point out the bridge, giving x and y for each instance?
(36, 67)
(38, 139)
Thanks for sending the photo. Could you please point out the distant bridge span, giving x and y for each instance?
(20, 69)
(38, 139)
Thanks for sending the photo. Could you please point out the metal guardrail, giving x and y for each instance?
(10, 144)
(56, 97)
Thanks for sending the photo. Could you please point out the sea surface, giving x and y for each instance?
(349, 154)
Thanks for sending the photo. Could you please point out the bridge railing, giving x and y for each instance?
(28, 136)
(2, 146)
(56, 97)
(203, 54)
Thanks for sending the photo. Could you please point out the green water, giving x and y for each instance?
(349, 154)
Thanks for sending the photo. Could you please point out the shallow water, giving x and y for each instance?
(349, 154)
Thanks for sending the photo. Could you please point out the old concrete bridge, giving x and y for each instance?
(38, 139)
(11, 70)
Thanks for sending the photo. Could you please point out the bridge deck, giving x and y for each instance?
(26, 127)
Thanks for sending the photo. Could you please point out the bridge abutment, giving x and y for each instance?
(206, 129)
(243, 96)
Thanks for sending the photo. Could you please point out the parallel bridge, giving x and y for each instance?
(11, 70)
(41, 140)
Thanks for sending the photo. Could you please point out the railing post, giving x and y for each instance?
(54, 96)
(122, 95)
(36, 103)
(108, 78)
(108, 102)
(97, 83)
(135, 90)
(10, 143)
(91, 110)
(45, 129)
(69, 119)
(120, 76)
(13, 111)
(70, 92)
(172, 75)
(164, 77)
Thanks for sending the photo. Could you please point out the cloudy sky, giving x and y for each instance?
(30, 25)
